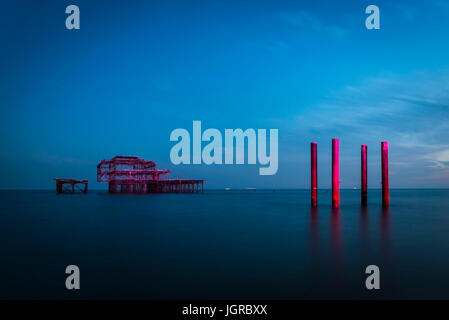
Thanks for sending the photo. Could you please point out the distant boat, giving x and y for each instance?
(227, 189)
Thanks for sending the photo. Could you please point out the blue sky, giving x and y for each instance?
(137, 70)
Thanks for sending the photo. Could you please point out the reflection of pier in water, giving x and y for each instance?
(378, 253)
(363, 227)
(336, 239)
(385, 231)
(314, 229)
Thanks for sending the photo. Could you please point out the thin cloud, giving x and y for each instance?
(57, 160)
(307, 21)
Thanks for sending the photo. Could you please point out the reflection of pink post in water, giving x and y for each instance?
(314, 175)
(335, 174)
(385, 184)
(364, 166)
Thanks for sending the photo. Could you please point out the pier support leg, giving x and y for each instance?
(335, 174)
(313, 174)
(364, 172)
(385, 183)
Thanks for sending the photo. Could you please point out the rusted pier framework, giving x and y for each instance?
(71, 185)
(129, 174)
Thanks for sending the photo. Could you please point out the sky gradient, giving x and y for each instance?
(137, 70)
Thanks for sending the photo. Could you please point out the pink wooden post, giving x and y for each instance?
(314, 175)
(364, 166)
(385, 183)
(335, 174)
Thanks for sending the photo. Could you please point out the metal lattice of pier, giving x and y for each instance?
(130, 174)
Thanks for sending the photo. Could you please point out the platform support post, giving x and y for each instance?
(385, 182)
(335, 173)
(364, 173)
(313, 175)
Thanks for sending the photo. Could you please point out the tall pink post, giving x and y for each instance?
(385, 183)
(335, 174)
(314, 174)
(364, 166)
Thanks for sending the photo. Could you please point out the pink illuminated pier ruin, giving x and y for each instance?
(130, 174)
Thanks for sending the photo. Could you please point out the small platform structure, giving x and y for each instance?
(71, 185)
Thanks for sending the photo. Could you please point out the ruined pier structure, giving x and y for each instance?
(129, 174)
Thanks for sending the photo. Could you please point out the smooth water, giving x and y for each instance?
(223, 244)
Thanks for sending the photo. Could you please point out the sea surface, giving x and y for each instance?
(252, 244)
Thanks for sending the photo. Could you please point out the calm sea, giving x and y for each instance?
(223, 244)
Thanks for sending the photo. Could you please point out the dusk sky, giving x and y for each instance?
(136, 70)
